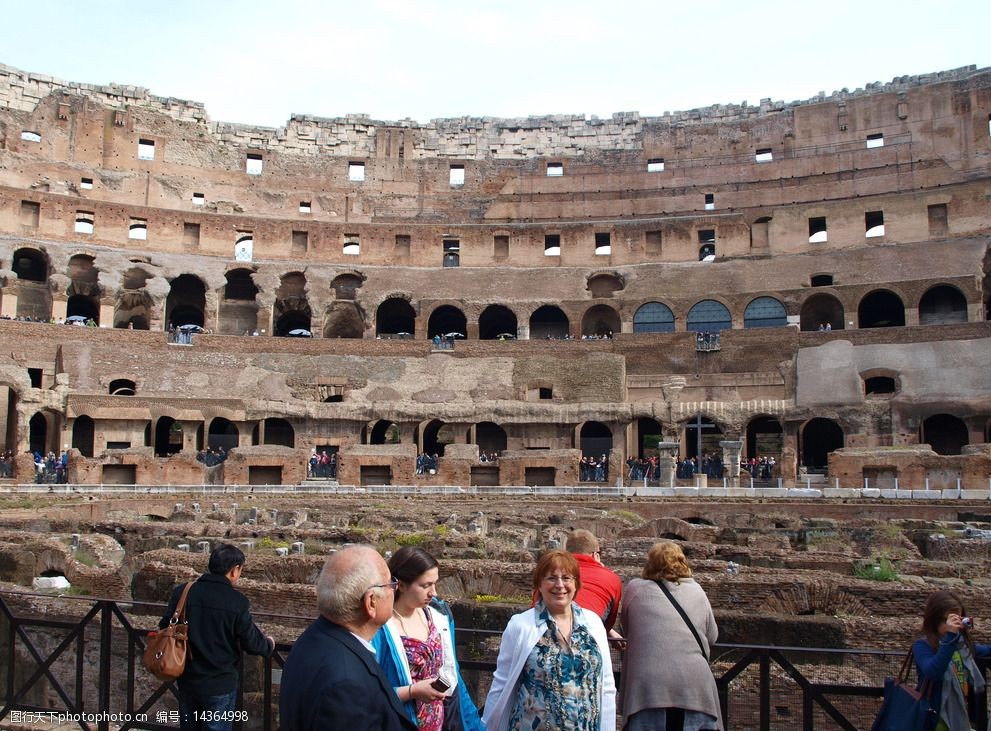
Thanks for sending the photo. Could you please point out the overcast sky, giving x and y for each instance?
(258, 62)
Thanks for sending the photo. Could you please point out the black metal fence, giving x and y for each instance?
(87, 671)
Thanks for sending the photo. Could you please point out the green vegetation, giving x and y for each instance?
(626, 515)
(880, 569)
(410, 539)
(500, 599)
(270, 543)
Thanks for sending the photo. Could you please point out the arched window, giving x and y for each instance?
(881, 308)
(765, 312)
(942, 305)
(945, 433)
(709, 316)
(395, 316)
(820, 311)
(653, 317)
(497, 322)
(549, 322)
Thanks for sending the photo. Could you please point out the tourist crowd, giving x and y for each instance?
(593, 469)
(7, 464)
(426, 464)
(710, 465)
(51, 468)
(760, 468)
(322, 465)
(211, 457)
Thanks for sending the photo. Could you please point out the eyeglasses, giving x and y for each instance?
(566, 580)
(393, 584)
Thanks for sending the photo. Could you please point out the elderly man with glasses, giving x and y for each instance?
(331, 679)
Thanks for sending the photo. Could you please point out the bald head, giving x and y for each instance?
(582, 541)
(346, 582)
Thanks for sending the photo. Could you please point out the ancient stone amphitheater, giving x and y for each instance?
(806, 281)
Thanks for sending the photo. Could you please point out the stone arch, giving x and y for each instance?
(31, 265)
(942, 304)
(135, 278)
(647, 427)
(133, 309)
(292, 308)
(712, 432)
(496, 321)
(670, 528)
(765, 312)
(237, 311)
(764, 437)
(819, 437)
(80, 305)
(83, 434)
(709, 316)
(395, 316)
(222, 433)
(945, 433)
(384, 431)
(605, 284)
(821, 309)
(880, 382)
(653, 317)
(600, 320)
(168, 436)
(433, 435)
(344, 319)
(549, 321)
(881, 308)
(122, 387)
(186, 301)
(240, 285)
(490, 437)
(82, 269)
(447, 319)
(274, 430)
(594, 439)
(347, 284)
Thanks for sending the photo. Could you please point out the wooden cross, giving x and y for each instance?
(699, 426)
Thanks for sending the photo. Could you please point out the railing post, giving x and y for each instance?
(103, 694)
(765, 690)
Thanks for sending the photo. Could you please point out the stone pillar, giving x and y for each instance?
(666, 453)
(60, 308)
(8, 303)
(731, 461)
(106, 314)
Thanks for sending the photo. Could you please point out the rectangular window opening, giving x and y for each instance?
(817, 230)
(710, 201)
(555, 169)
(653, 242)
(198, 199)
(253, 164)
(86, 183)
(655, 165)
(35, 375)
(552, 245)
(300, 242)
(603, 244)
(765, 154)
(457, 175)
(146, 149)
(190, 235)
(500, 247)
(356, 172)
(304, 207)
(876, 140)
(938, 220)
(874, 224)
(403, 244)
(244, 245)
(84, 222)
(138, 229)
(29, 136)
(545, 393)
(30, 214)
(352, 244)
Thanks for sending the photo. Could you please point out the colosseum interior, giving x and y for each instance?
(806, 281)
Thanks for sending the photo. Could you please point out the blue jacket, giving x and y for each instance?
(932, 665)
(392, 658)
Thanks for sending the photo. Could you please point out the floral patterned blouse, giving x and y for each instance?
(559, 688)
(425, 660)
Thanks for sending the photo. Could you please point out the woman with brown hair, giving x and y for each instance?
(945, 657)
(667, 684)
(554, 669)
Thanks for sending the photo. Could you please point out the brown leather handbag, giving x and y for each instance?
(166, 649)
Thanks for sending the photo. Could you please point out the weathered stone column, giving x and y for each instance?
(666, 453)
(731, 460)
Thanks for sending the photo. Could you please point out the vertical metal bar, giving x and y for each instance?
(765, 690)
(267, 698)
(103, 694)
(808, 723)
(80, 651)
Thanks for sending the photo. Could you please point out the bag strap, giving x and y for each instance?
(926, 689)
(179, 615)
(695, 634)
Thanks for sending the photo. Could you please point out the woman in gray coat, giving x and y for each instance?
(666, 683)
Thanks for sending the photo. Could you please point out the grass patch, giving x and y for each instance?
(880, 569)
(266, 543)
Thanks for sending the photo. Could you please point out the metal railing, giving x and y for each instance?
(86, 671)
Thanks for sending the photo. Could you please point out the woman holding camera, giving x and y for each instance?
(554, 669)
(946, 657)
(415, 648)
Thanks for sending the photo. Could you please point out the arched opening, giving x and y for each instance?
(595, 439)
(168, 437)
(942, 305)
(945, 433)
(135, 278)
(394, 317)
(385, 432)
(765, 312)
(133, 310)
(709, 316)
(237, 311)
(38, 434)
(274, 431)
(122, 387)
(821, 310)
(81, 306)
(345, 319)
(82, 269)
(497, 322)
(765, 438)
(490, 437)
(549, 322)
(222, 433)
(653, 317)
(83, 435)
(649, 433)
(600, 321)
(703, 433)
(30, 265)
(346, 286)
(240, 286)
(292, 309)
(436, 434)
(819, 438)
(605, 285)
(446, 320)
(881, 308)
(186, 301)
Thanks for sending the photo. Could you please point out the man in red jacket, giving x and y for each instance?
(601, 588)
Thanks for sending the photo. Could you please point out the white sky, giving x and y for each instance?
(258, 62)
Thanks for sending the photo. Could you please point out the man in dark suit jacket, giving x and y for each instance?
(331, 678)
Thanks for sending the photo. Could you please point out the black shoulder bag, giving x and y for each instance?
(695, 634)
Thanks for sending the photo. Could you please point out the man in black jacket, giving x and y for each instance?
(220, 628)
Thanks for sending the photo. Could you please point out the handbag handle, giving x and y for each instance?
(695, 634)
(179, 615)
(926, 688)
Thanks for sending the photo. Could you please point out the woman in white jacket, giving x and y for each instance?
(554, 669)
